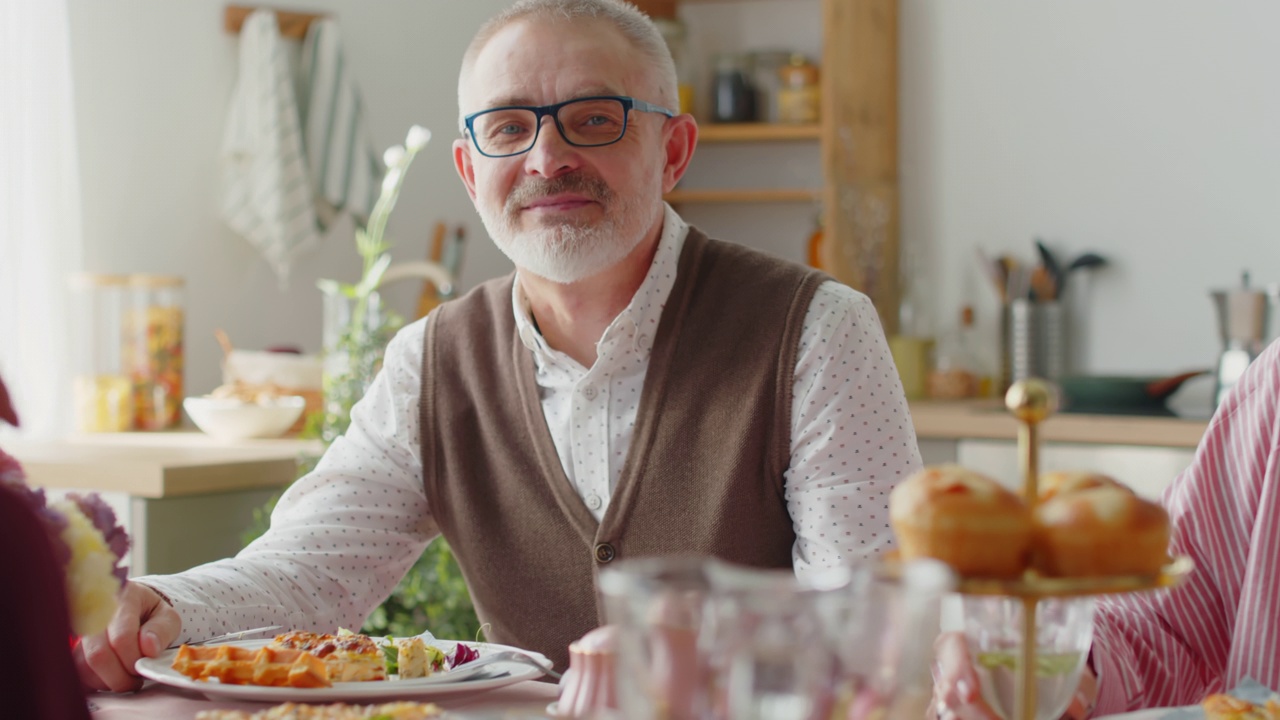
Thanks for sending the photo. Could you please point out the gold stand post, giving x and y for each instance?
(1030, 401)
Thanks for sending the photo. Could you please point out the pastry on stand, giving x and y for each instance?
(1068, 535)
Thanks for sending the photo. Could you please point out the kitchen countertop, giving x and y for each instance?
(988, 419)
(160, 464)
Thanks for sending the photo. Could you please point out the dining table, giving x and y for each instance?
(526, 699)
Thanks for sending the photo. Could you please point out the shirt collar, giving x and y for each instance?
(645, 307)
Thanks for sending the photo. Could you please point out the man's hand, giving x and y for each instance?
(144, 624)
(957, 694)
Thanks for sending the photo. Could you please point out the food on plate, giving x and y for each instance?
(1060, 482)
(340, 711)
(413, 658)
(962, 518)
(350, 657)
(1227, 707)
(1104, 531)
(233, 665)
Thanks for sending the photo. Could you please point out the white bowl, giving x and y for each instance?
(234, 419)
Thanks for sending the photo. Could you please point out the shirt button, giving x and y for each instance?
(643, 340)
(605, 552)
(594, 502)
(589, 392)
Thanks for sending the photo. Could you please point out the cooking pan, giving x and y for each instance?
(1121, 394)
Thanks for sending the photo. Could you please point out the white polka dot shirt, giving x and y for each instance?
(343, 536)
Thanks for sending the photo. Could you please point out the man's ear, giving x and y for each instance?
(462, 163)
(680, 137)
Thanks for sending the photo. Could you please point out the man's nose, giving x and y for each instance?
(551, 155)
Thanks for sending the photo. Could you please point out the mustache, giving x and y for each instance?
(535, 189)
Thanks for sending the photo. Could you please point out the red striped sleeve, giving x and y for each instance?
(1174, 647)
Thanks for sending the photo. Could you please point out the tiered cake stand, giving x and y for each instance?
(1032, 402)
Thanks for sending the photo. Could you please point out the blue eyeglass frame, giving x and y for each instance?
(541, 111)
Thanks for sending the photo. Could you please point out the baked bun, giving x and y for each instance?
(1100, 532)
(962, 518)
(1060, 482)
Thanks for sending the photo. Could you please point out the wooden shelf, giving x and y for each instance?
(799, 195)
(756, 132)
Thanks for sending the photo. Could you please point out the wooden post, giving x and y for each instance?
(293, 24)
(657, 8)
(860, 148)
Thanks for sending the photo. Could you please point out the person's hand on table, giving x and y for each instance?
(144, 625)
(957, 692)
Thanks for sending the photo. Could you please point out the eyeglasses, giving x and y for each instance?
(582, 122)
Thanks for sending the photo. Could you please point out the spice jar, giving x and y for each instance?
(154, 349)
(732, 96)
(799, 96)
(101, 390)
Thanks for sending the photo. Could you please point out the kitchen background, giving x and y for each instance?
(1147, 130)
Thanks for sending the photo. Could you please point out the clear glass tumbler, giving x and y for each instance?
(1064, 631)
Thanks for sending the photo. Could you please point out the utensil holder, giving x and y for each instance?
(1033, 338)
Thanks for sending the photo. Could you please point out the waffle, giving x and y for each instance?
(291, 711)
(232, 665)
(1226, 707)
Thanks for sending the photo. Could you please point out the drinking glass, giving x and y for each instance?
(767, 644)
(658, 605)
(1064, 631)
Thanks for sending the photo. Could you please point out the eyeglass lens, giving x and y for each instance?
(584, 122)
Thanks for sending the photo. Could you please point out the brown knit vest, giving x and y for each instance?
(704, 474)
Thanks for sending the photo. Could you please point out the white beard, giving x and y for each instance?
(566, 252)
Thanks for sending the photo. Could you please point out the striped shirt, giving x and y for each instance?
(1175, 647)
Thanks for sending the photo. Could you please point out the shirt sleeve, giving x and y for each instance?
(852, 438)
(1175, 647)
(341, 537)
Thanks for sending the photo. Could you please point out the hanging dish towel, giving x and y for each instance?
(346, 171)
(267, 196)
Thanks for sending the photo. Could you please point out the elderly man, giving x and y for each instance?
(633, 389)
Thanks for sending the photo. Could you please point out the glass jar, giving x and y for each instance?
(955, 373)
(154, 353)
(799, 97)
(101, 390)
(732, 96)
(766, 76)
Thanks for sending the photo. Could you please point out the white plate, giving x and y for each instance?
(160, 669)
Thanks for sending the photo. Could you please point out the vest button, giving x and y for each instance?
(605, 552)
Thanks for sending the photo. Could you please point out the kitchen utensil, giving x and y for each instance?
(227, 637)
(1121, 394)
(1051, 267)
(1243, 317)
(1086, 261)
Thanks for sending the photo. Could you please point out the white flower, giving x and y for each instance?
(393, 156)
(391, 179)
(417, 138)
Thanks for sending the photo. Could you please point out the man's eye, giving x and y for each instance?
(598, 120)
(510, 129)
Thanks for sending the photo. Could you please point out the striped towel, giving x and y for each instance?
(266, 194)
(346, 171)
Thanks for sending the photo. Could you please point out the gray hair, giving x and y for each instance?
(634, 25)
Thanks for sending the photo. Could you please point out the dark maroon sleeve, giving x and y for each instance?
(37, 675)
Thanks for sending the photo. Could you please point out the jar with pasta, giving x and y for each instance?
(101, 390)
(154, 354)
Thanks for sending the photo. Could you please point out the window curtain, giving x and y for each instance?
(40, 232)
